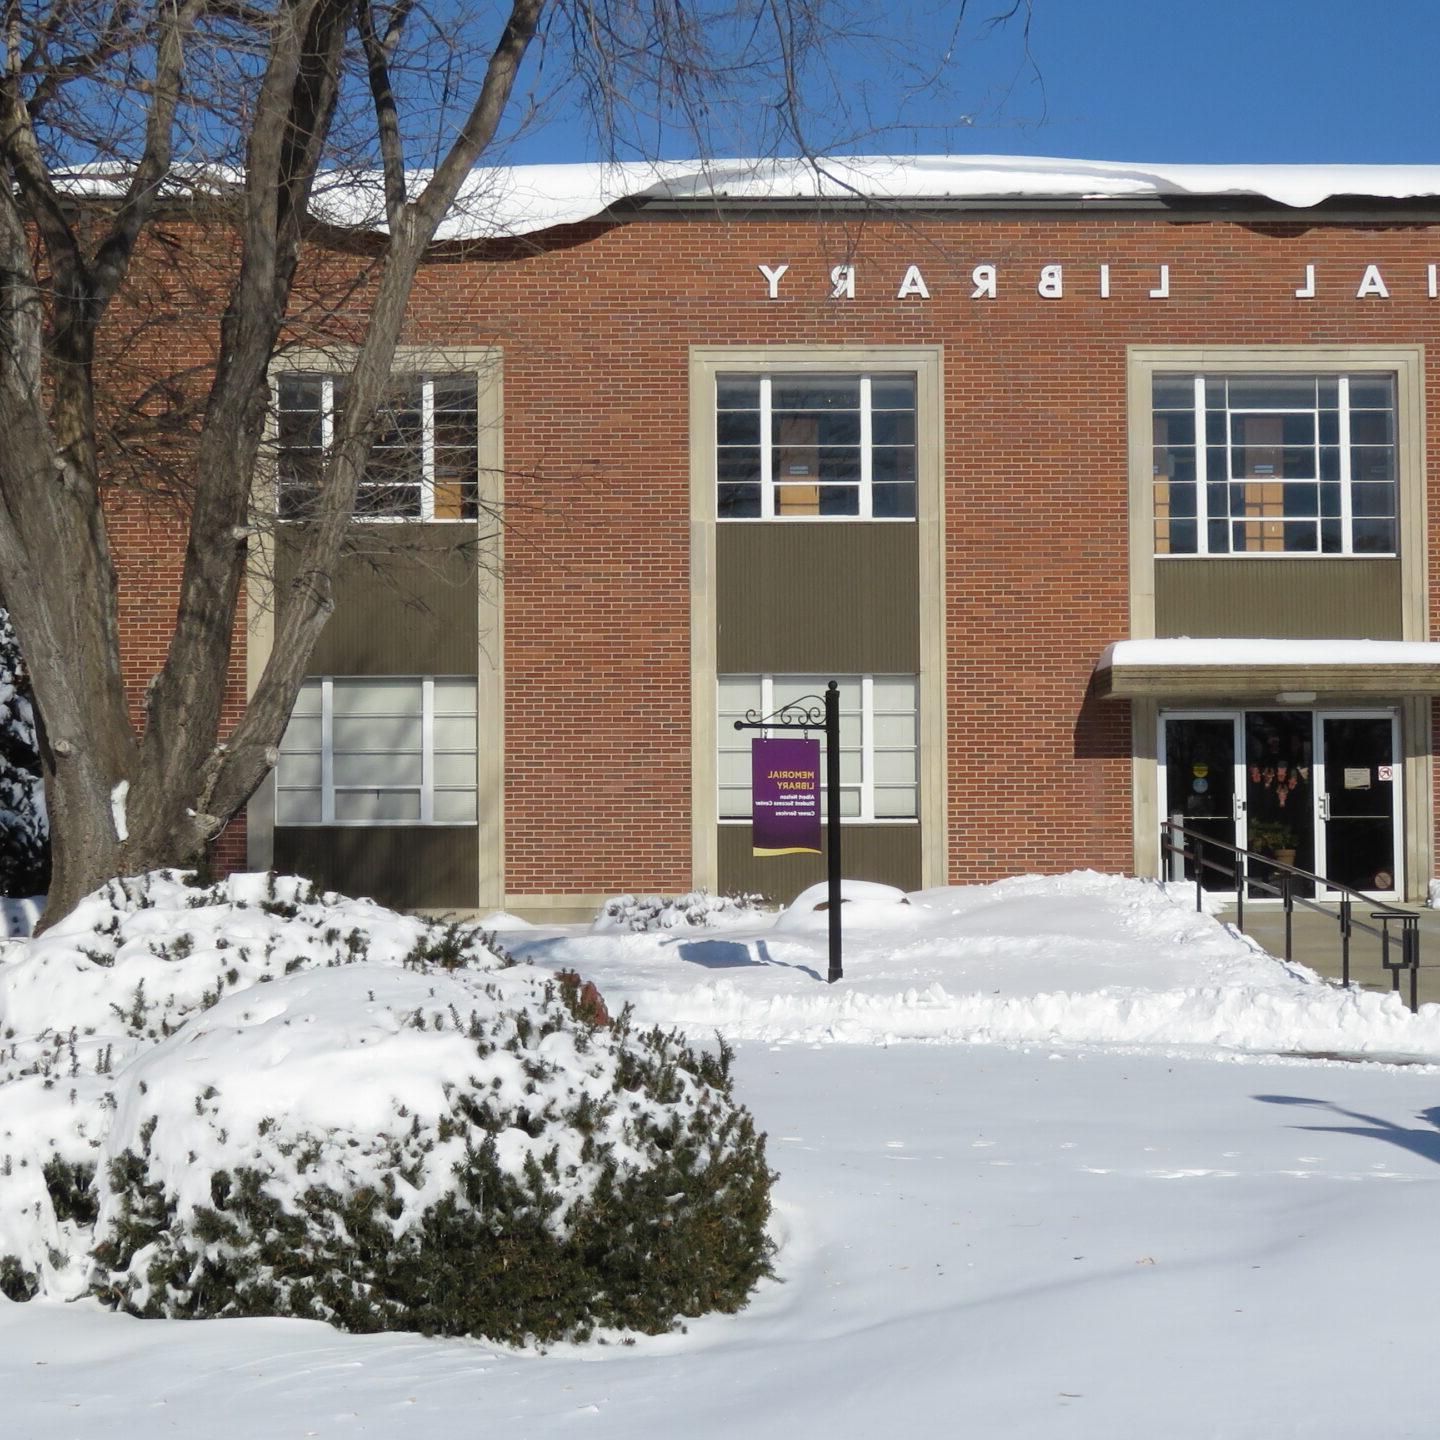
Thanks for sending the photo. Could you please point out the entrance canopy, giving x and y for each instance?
(1288, 669)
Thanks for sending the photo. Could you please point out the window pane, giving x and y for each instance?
(302, 733)
(388, 768)
(297, 807)
(894, 692)
(738, 502)
(309, 699)
(891, 730)
(815, 392)
(1372, 392)
(455, 807)
(738, 692)
(839, 500)
(1372, 462)
(735, 803)
(737, 392)
(1172, 392)
(892, 392)
(893, 428)
(894, 502)
(895, 802)
(737, 427)
(455, 732)
(1375, 537)
(455, 695)
(1372, 427)
(1266, 392)
(1373, 500)
(890, 463)
(735, 767)
(297, 771)
(377, 732)
(896, 767)
(397, 696)
(369, 806)
(455, 770)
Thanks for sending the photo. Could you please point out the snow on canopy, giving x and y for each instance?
(1224, 651)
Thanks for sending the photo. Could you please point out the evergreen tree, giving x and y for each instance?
(24, 833)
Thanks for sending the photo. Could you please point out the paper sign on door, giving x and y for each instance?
(1386, 772)
(1357, 777)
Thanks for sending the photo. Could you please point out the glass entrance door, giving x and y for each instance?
(1280, 793)
(1316, 789)
(1198, 756)
(1359, 809)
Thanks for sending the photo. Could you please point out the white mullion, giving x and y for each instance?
(1346, 503)
(327, 414)
(867, 747)
(327, 751)
(767, 467)
(866, 508)
(427, 750)
(427, 448)
(1202, 497)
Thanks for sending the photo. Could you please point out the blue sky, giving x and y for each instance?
(1213, 80)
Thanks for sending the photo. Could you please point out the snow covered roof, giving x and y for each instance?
(523, 199)
(1183, 667)
(500, 201)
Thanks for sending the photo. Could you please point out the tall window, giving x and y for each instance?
(423, 458)
(386, 750)
(1275, 464)
(818, 447)
(879, 740)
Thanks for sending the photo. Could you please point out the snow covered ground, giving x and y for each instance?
(1122, 1216)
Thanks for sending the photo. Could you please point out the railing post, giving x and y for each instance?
(1410, 943)
(1345, 940)
(1289, 912)
(1200, 874)
(1240, 890)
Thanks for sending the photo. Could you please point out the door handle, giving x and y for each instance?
(1324, 807)
(1237, 808)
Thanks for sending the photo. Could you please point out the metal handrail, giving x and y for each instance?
(1239, 871)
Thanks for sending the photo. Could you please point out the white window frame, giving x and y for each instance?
(1202, 476)
(866, 784)
(427, 442)
(427, 763)
(866, 501)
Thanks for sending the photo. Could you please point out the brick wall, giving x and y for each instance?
(595, 329)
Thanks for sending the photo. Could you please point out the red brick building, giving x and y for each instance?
(944, 434)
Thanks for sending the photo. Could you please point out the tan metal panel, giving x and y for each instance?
(889, 854)
(406, 604)
(817, 597)
(1306, 598)
(406, 867)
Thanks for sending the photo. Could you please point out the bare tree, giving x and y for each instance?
(121, 120)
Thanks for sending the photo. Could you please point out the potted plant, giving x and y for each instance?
(1274, 838)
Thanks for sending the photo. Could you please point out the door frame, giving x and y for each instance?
(1397, 792)
(1239, 810)
(1319, 714)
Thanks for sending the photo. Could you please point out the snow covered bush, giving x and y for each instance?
(254, 1099)
(660, 912)
(24, 833)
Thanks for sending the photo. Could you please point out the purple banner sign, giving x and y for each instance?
(785, 793)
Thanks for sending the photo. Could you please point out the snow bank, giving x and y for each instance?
(254, 1098)
(1081, 959)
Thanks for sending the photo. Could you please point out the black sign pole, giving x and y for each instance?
(832, 822)
(800, 715)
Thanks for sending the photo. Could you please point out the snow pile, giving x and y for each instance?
(660, 912)
(1080, 959)
(24, 828)
(252, 1098)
